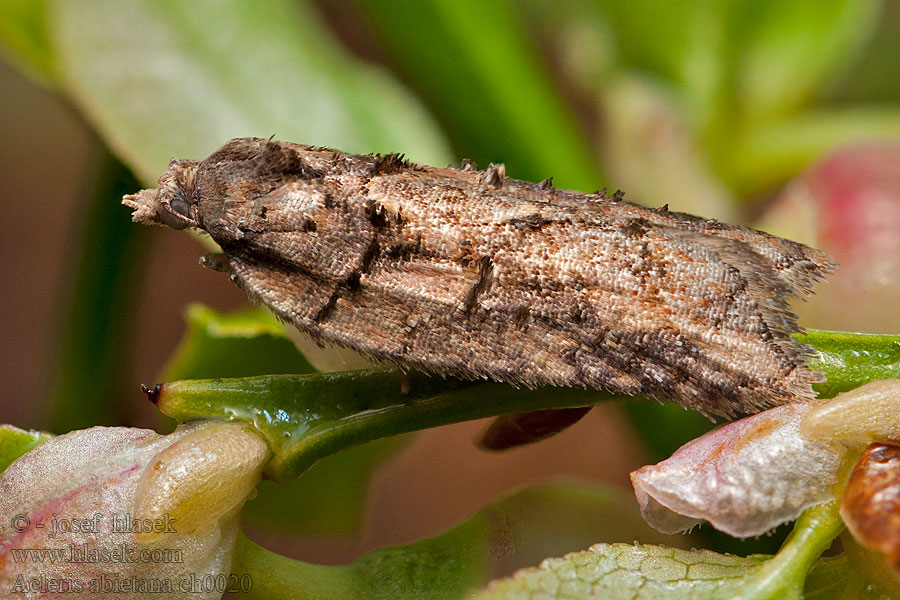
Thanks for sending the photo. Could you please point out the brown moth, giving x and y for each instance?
(472, 274)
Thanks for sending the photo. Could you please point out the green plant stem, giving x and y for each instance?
(783, 576)
(849, 360)
(307, 417)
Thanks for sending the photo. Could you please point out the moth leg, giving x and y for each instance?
(509, 431)
(217, 261)
(405, 383)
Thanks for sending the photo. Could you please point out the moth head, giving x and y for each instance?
(172, 202)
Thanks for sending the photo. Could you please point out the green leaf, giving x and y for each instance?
(631, 571)
(872, 566)
(329, 497)
(307, 417)
(15, 442)
(624, 571)
(196, 73)
(835, 578)
(852, 359)
(474, 64)
(250, 342)
(503, 536)
(24, 40)
(714, 576)
(740, 65)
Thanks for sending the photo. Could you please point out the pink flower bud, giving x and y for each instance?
(848, 204)
(120, 512)
(744, 478)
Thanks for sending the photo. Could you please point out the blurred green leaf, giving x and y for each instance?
(664, 428)
(789, 49)
(24, 40)
(872, 77)
(743, 59)
(835, 577)
(743, 71)
(774, 151)
(688, 44)
(95, 304)
(503, 536)
(15, 442)
(329, 497)
(872, 566)
(474, 64)
(247, 343)
(197, 73)
(307, 417)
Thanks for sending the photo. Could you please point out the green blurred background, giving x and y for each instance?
(729, 109)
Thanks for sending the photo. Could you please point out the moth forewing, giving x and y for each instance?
(469, 273)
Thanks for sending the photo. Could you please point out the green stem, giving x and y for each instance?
(308, 417)
(783, 576)
(849, 360)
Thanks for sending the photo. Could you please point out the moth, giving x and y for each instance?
(469, 273)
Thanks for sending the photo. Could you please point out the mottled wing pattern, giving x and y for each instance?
(467, 273)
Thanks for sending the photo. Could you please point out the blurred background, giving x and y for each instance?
(783, 115)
